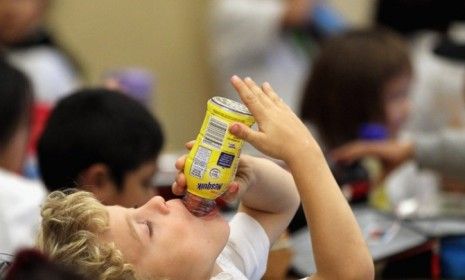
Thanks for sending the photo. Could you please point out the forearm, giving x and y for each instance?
(273, 190)
(272, 199)
(339, 249)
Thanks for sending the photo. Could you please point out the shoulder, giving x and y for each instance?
(247, 249)
(39, 58)
(244, 229)
(51, 73)
(20, 199)
(16, 190)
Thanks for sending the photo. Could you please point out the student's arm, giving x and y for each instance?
(391, 152)
(269, 196)
(443, 152)
(338, 246)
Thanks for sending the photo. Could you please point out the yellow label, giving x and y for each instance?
(212, 163)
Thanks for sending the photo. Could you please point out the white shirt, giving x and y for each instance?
(51, 75)
(246, 253)
(20, 201)
(438, 91)
(246, 39)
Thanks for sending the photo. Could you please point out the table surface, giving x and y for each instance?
(438, 227)
(385, 237)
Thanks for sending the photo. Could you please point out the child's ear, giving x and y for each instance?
(97, 180)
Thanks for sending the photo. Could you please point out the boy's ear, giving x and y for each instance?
(97, 180)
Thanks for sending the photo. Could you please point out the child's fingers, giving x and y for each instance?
(176, 190)
(181, 179)
(249, 98)
(257, 91)
(190, 144)
(180, 162)
(269, 91)
(179, 186)
(244, 132)
(231, 193)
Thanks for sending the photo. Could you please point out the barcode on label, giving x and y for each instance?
(215, 132)
(201, 159)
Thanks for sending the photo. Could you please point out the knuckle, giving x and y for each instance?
(249, 98)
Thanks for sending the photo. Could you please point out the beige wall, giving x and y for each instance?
(358, 12)
(164, 36)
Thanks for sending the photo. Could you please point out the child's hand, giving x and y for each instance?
(281, 134)
(244, 177)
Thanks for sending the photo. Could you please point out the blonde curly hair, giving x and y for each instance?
(71, 224)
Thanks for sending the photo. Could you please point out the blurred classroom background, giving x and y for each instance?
(168, 38)
(165, 50)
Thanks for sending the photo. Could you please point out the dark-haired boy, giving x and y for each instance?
(104, 142)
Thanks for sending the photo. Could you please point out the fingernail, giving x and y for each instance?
(266, 84)
(234, 78)
(248, 79)
(234, 128)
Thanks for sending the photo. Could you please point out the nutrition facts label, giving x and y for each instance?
(215, 133)
(200, 162)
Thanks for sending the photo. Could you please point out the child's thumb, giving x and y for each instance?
(242, 131)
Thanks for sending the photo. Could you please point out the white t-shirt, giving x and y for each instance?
(20, 201)
(437, 92)
(51, 74)
(247, 39)
(246, 253)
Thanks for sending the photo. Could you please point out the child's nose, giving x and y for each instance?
(157, 203)
(157, 200)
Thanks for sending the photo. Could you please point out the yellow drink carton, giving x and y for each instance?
(212, 163)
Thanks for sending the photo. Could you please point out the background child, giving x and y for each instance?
(16, 105)
(29, 46)
(357, 78)
(106, 143)
(19, 198)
